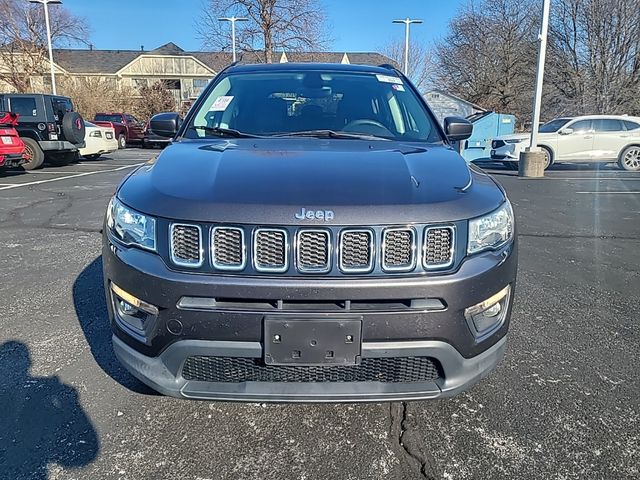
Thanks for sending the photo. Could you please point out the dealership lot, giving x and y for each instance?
(563, 404)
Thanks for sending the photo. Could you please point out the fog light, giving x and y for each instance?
(131, 311)
(487, 316)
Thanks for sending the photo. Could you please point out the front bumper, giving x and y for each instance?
(157, 359)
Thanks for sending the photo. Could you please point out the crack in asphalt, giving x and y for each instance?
(397, 430)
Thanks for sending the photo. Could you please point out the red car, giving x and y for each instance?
(12, 151)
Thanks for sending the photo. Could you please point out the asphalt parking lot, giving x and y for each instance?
(564, 403)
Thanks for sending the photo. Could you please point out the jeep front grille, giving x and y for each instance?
(241, 369)
(228, 248)
(356, 251)
(270, 250)
(332, 250)
(186, 245)
(398, 249)
(438, 247)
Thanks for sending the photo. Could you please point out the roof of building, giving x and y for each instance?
(111, 61)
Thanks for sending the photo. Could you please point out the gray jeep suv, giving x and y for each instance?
(309, 235)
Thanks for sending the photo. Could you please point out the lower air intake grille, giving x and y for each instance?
(313, 251)
(438, 247)
(398, 249)
(227, 249)
(186, 245)
(239, 369)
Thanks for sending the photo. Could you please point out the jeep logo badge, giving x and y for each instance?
(305, 214)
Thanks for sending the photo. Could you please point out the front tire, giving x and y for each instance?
(630, 159)
(122, 142)
(34, 154)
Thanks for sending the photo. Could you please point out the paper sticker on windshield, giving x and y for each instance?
(221, 103)
(389, 79)
(397, 87)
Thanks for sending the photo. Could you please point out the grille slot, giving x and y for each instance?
(313, 251)
(240, 369)
(356, 251)
(398, 249)
(438, 247)
(270, 250)
(228, 248)
(186, 245)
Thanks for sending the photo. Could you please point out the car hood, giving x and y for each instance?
(267, 181)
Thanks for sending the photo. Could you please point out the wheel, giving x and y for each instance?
(511, 165)
(630, 159)
(95, 156)
(33, 153)
(548, 157)
(61, 159)
(122, 141)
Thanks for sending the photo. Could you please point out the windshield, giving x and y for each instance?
(554, 125)
(295, 102)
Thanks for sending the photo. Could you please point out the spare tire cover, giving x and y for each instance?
(73, 127)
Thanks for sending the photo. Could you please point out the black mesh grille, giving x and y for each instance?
(387, 370)
(185, 245)
(398, 249)
(227, 248)
(437, 247)
(355, 250)
(270, 250)
(313, 250)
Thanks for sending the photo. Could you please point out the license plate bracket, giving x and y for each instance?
(309, 342)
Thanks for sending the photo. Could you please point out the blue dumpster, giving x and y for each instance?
(486, 126)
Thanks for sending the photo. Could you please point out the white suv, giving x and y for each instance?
(595, 138)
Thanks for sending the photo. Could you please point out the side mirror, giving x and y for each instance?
(566, 131)
(165, 124)
(457, 128)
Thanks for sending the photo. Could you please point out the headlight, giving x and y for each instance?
(492, 230)
(96, 133)
(131, 227)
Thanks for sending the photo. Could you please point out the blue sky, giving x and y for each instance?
(356, 25)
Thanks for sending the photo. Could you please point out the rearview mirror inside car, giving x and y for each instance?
(165, 124)
(457, 128)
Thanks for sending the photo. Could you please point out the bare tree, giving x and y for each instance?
(96, 94)
(155, 99)
(489, 54)
(23, 39)
(596, 55)
(293, 25)
(421, 61)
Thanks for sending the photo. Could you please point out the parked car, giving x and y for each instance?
(151, 138)
(309, 235)
(588, 139)
(99, 141)
(128, 129)
(48, 125)
(11, 146)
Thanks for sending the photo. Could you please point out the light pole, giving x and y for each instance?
(233, 21)
(46, 4)
(407, 21)
(532, 160)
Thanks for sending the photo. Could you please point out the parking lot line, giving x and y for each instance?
(84, 174)
(611, 193)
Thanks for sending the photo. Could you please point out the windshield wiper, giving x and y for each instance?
(223, 132)
(329, 134)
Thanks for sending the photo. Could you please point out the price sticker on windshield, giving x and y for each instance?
(389, 79)
(221, 103)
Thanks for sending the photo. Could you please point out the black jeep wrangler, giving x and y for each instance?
(49, 127)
